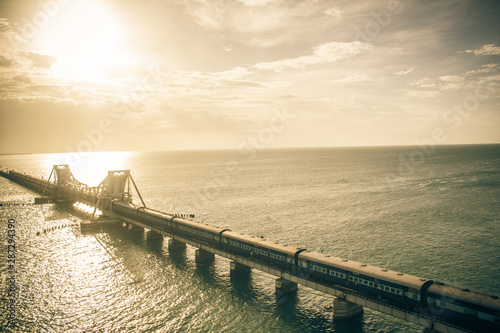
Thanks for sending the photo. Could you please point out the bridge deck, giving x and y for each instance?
(93, 196)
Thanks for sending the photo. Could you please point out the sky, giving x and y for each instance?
(106, 75)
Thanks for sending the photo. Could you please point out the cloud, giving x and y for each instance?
(355, 78)
(423, 94)
(451, 78)
(251, 3)
(334, 11)
(322, 54)
(248, 16)
(451, 82)
(424, 83)
(22, 79)
(488, 68)
(404, 72)
(488, 49)
(264, 23)
(4, 62)
(233, 74)
(203, 121)
(207, 84)
(40, 60)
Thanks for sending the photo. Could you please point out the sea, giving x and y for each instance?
(430, 211)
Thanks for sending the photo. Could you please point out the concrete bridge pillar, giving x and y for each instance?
(343, 309)
(174, 245)
(202, 256)
(237, 269)
(284, 286)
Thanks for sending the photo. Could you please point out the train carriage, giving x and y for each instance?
(144, 215)
(279, 255)
(202, 232)
(395, 286)
(463, 306)
(156, 218)
(125, 209)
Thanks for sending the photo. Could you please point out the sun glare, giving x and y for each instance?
(85, 39)
(92, 168)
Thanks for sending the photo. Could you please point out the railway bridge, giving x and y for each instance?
(363, 283)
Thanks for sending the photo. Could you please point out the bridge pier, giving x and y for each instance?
(284, 286)
(237, 269)
(343, 309)
(202, 256)
(174, 245)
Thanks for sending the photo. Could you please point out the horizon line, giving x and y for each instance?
(260, 149)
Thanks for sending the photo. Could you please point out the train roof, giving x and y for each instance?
(259, 241)
(199, 225)
(464, 294)
(368, 270)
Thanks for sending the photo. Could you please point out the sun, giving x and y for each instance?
(85, 39)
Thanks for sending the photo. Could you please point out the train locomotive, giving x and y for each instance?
(454, 305)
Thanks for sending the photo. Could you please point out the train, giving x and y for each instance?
(473, 310)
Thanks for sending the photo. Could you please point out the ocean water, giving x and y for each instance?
(430, 211)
